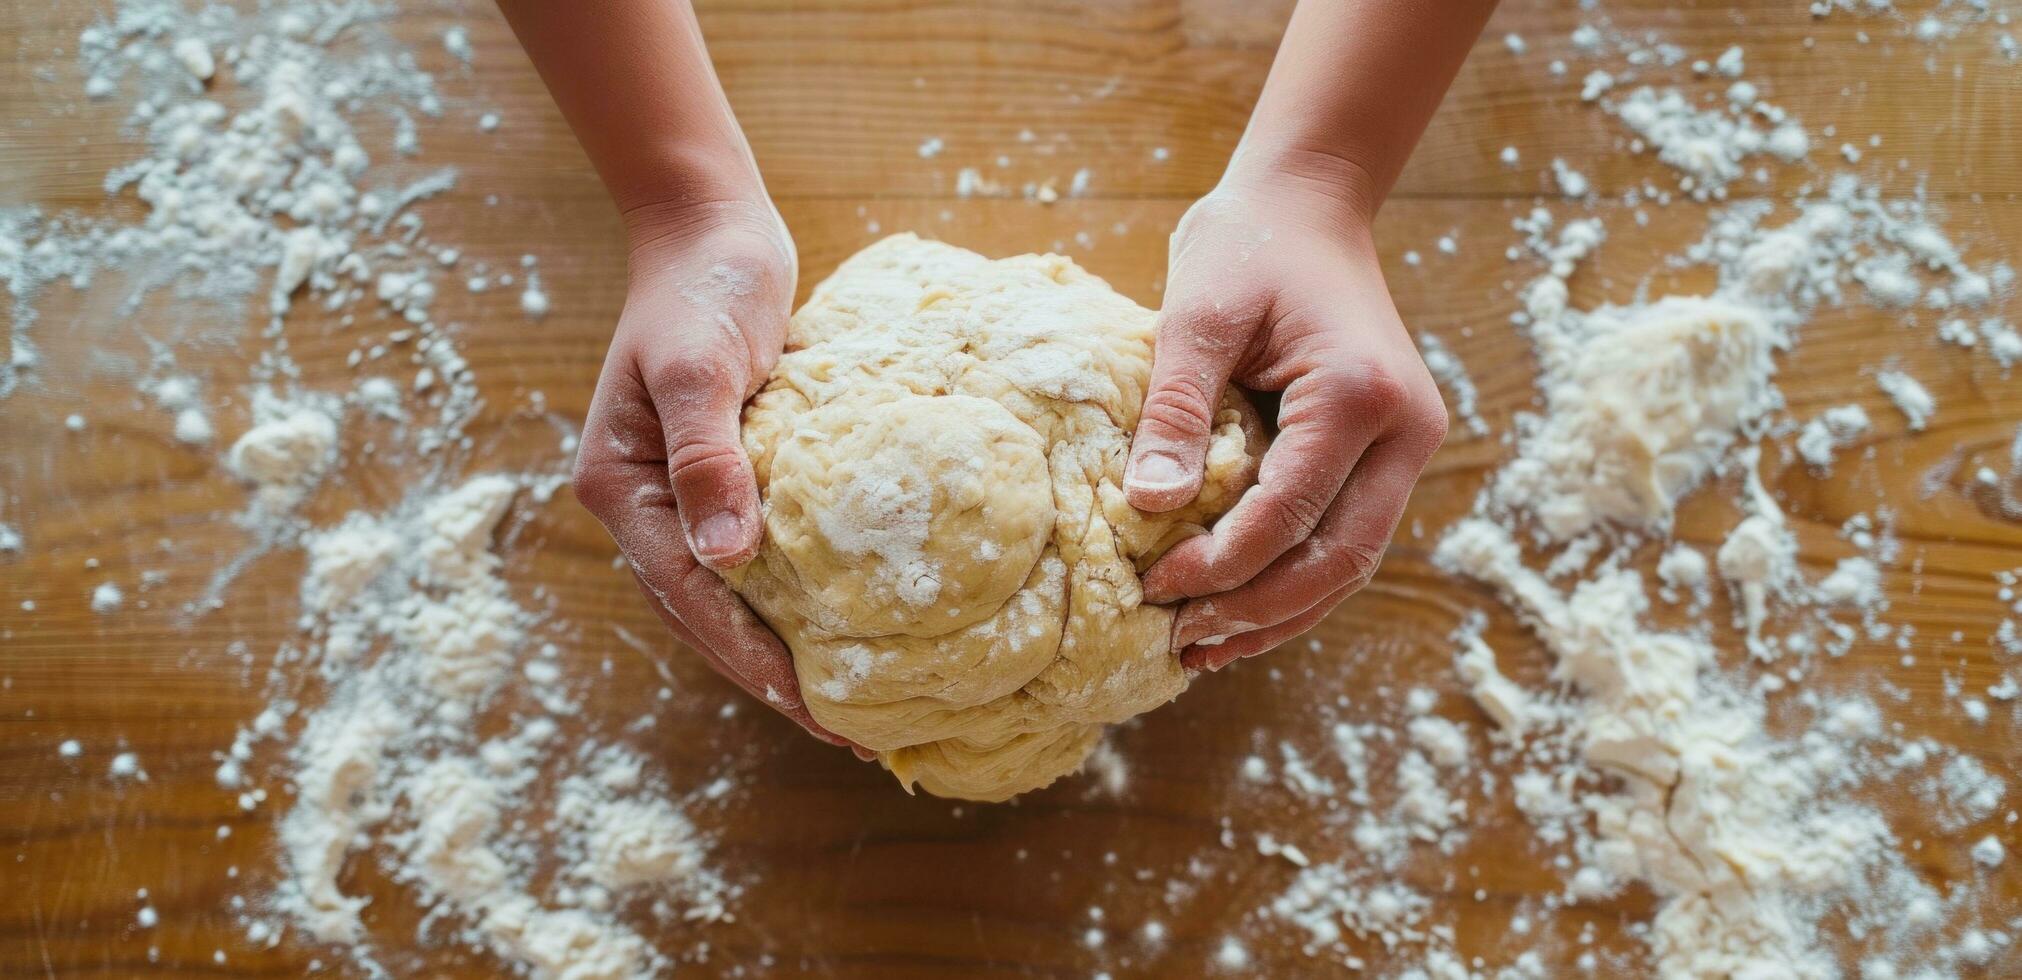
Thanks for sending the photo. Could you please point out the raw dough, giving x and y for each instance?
(947, 549)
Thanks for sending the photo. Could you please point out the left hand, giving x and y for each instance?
(661, 463)
(1274, 283)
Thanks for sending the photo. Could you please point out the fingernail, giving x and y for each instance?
(1156, 471)
(718, 536)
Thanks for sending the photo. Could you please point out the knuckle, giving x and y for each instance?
(690, 373)
(1354, 565)
(1434, 427)
(688, 597)
(586, 488)
(1296, 512)
(1382, 394)
(1214, 330)
(702, 458)
(1224, 573)
(1426, 414)
(1323, 395)
(1183, 405)
(1187, 316)
(594, 489)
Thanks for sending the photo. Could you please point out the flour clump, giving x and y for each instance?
(947, 550)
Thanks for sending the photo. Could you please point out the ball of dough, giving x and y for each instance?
(947, 550)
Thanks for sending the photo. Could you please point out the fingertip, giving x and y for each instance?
(1162, 477)
(716, 494)
(1166, 580)
(1159, 500)
(722, 540)
(1206, 659)
(1197, 624)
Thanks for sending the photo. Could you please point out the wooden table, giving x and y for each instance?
(847, 876)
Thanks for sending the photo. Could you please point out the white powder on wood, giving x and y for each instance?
(1708, 147)
(258, 192)
(126, 765)
(1640, 403)
(1988, 852)
(1855, 581)
(1833, 429)
(1503, 700)
(1682, 567)
(1910, 397)
(289, 450)
(1231, 956)
(1741, 835)
(1452, 375)
(1571, 182)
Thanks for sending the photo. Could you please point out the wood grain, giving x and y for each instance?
(846, 876)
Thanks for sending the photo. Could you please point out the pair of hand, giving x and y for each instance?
(1273, 284)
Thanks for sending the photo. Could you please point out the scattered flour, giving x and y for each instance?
(456, 41)
(1571, 182)
(1504, 701)
(286, 453)
(1452, 375)
(414, 625)
(1683, 567)
(1832, 430)
(1911, 397)
(1709, 148)
(1231, 956)
(126, 765)
(1989, 853)
(1653, 763)
(1641, 403)
(416, 719)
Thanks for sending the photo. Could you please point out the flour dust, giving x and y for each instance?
(420, 722)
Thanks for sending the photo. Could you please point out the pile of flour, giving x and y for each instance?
(417, 721)
(409, 620)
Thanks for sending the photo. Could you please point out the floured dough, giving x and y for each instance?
(947, 550)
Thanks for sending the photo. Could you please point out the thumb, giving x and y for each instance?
(698, 397)
(1190, 368)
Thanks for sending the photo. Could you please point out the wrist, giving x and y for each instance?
(689, 190)
(733, 222)
(1325, 186)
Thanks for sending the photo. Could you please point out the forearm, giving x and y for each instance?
(1351, 90)
(633, 79)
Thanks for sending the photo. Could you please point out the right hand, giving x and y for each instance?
(1274, 284)
(661, 463)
